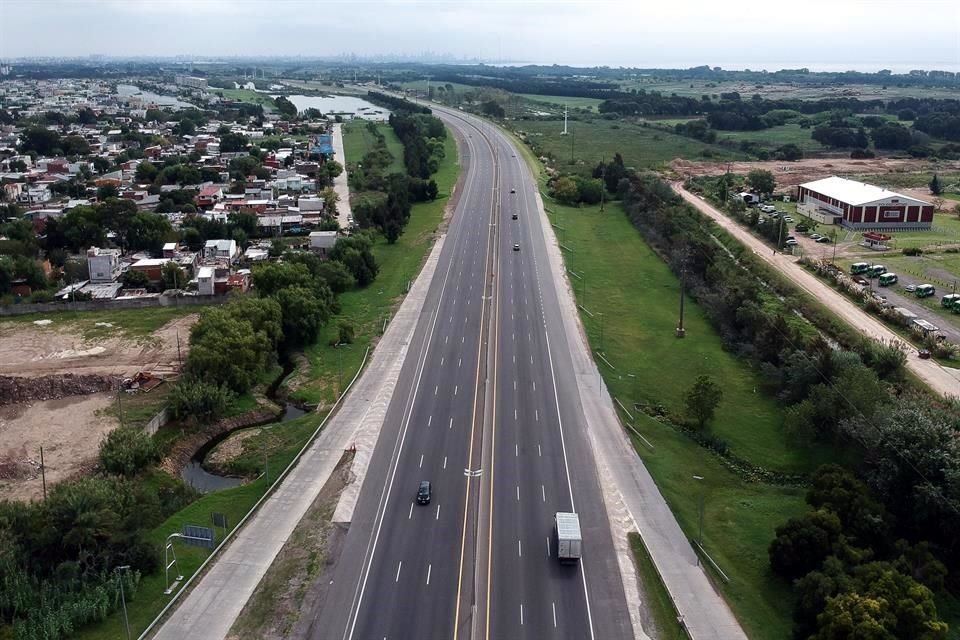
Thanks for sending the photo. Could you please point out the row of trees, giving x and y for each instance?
(231, 346)
(849, 395)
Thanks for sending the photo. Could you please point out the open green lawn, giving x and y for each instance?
(594, 140)
(109, 322)
(773, 91)
(367, 308)
(246, 95)
(622, 278)
(590, 104)
(357, 141)
(777, 136)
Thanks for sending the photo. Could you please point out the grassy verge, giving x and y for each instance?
(357, 142)
(639, 299)
(658, 603)
(366, 309)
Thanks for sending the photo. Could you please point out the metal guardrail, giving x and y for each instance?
(256, 506)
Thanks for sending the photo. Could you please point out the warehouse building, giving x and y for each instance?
(861, 206)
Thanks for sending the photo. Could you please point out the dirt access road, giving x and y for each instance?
(941, 379)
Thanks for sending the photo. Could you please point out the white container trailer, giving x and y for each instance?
(567, 532)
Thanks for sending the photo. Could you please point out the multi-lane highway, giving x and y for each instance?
(487, 410)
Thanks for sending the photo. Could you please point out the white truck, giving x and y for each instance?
(566, 530)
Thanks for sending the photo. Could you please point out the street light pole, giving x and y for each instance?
(123, 598)
(700, 531)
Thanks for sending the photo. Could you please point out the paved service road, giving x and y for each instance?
(487, 409)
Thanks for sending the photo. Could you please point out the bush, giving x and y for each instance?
(912, 251)
(201, 400)
(127, 450)
(861, 154)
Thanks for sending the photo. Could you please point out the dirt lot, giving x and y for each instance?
(41, 349)
(789, 174)
(68, 428)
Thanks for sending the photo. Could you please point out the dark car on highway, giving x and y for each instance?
(424, 493)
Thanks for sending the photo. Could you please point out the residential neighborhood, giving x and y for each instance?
(218, 186)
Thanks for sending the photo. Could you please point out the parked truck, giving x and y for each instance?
(566, 531)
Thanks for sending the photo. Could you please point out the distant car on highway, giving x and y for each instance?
(514, 216)
(516, 247)
(424, 493)
(513, 190)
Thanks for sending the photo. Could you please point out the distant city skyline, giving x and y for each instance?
(822, 35)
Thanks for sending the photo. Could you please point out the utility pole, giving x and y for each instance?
(700, 531)
(572, 136)
(603, 181)
(120, 402)
(834, 259)
(43, 475)
(564, 132)
(123, 598)
(681, 332)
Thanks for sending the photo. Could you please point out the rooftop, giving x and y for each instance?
(854, 192)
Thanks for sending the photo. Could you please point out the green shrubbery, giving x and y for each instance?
(127, 451)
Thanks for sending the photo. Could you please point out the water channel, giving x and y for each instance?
(205, 482)
(340, 105)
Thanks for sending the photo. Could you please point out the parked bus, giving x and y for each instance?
(876, 270)
(925, 291)
(859, 267)
(888, 279)
(950, 301)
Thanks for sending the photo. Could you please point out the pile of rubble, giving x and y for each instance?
(17, 390)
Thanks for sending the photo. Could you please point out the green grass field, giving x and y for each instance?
(594, 140)
(246, 95)
(776, 136)
(658, 603)
(773, 91)
(590, 104)
(136, 323)
(639, 297)
(366, 308)
(357, 142)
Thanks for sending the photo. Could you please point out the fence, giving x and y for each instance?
(157, 421)
(100, 305)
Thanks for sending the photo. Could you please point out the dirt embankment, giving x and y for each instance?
(19, 390)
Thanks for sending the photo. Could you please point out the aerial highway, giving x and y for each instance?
(487, 411)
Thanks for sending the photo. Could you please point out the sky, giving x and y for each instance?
(866, 35)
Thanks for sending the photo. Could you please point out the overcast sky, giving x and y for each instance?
(861, 34)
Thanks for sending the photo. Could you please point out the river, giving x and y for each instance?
(340, 105)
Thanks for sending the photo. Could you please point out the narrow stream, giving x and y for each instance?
(205, 482)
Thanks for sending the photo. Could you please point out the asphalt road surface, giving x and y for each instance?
(486, 409)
